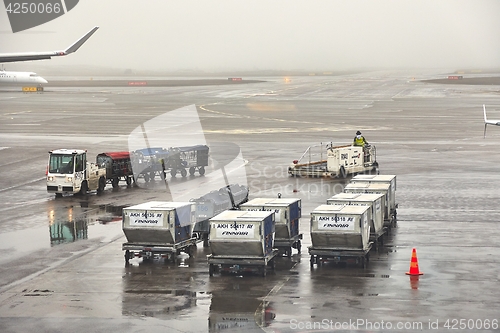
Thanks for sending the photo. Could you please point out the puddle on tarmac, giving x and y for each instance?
(156, 302)
(230, 314)
(81, 221)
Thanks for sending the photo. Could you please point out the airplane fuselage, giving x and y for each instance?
(21, 79)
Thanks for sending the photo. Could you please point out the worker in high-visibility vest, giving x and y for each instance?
(359, 140)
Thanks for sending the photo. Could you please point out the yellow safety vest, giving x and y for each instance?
(359, 142)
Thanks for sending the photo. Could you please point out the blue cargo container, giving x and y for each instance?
(158, 227)
(287, 214)
(241, 240)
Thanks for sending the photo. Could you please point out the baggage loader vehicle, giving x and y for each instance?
(335, 161)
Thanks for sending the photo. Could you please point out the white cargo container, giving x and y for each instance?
(385, 179)
(340, 232)
(241, 240)
(159, 228)
(375, 213)
(287, 214)
(375, 188)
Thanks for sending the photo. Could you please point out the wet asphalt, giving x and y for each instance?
(63, 269)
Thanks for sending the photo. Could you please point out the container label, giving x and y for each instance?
(234, 230)
(276, 211)
(335, 222)
(146, 219)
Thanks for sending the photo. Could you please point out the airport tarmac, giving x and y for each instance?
(62, 267)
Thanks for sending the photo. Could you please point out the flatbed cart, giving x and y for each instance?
(236, 264)
(157, 251)
(285, 245)
(318, 255)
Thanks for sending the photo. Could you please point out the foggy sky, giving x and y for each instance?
(272, 34)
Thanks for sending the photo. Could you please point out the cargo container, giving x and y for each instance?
(287, 214)
(377, 188)
(159, 229)
(375, 213)
(148, 163)
(118, 166)
(385, 179)
(340, 233)
(242, 241)
(215, 202)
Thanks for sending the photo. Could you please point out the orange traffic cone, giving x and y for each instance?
(414, 264)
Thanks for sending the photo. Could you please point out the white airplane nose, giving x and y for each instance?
(42, 80)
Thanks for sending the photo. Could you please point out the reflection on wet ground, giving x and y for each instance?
(70, 223)
(229, 313)
(235, 302)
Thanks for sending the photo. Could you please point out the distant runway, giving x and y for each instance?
(147, 83)
(467, 80)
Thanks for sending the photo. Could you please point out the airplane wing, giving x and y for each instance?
(488, 121)
(28, 56)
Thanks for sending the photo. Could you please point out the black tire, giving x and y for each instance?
(272, 264)
(342, 172)
(289, 252)
(58, 195)
(84, 188)
(114, 182)
(201, 171)
(173, 172)
(192, 170)
(152, 176)
(299, 245)
(127, 257)
(363, 262)
(128, 180)
(211, 269)
(183, 172)
(102, 185)
(311, 261)
(192, 251)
